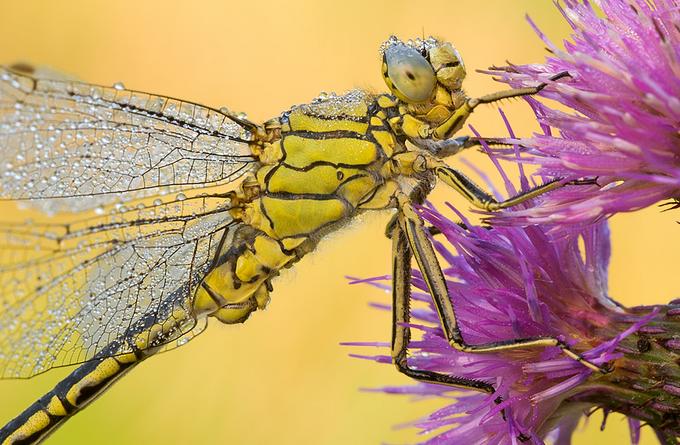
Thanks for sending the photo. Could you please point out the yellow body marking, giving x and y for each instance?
(107, 368)
(36, 423)
(302, 216)
(303, 122)
(55, 407)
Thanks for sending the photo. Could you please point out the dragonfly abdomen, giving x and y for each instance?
(66, 399)
(91, 379)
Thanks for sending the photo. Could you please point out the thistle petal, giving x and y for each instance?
(624, 62)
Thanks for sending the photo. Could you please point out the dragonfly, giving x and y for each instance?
(179, 212)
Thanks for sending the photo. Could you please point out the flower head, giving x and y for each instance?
(624, 99)
(513, 282)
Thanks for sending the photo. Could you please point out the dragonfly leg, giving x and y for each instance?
(483, 200)
(454, 123)
(451, 146)
(401, 333)
(474, 141)
(421, 247)
(516, 92)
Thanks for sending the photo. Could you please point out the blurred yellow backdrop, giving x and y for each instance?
(282, 377)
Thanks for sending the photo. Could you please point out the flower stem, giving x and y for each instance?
(645, 381)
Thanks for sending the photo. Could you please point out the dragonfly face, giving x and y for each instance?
(426, 76)
(161, 238)
(428, 73)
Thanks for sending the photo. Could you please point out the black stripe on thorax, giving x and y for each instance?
(287, 196)
(334, 134)
(311, 165)
(338, 117)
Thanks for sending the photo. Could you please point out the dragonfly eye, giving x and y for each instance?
(408, 74)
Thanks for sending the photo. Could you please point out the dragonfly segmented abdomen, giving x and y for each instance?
(141, 340)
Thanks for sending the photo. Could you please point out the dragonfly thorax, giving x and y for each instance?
(330, 162)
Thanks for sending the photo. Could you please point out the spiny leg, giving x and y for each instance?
(474, 141)
(428, 264)
(518, 92)
(401, 332)
(432, 230)
(481, 199)
(451, 146)
(455, 122)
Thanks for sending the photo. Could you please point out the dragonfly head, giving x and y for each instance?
(424, 73)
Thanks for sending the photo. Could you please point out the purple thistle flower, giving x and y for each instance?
(514, 282)
(624, 96)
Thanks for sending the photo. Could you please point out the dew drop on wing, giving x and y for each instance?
(85, 121)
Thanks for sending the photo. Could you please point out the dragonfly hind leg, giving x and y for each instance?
(401, 332)
(409, 238)
(411, 226)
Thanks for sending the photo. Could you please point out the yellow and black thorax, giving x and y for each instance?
(330, 160)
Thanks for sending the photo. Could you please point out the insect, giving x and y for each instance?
(162, 238)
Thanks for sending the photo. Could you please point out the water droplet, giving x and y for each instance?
(118, 86)
(99, 210)
(181, 197)
(157, 202)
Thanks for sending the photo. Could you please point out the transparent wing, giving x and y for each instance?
(73, 291)
(66, 139)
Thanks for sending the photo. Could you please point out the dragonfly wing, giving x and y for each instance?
(68, 139)
(75, 291)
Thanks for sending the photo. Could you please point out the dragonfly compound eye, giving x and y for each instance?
(408, 74)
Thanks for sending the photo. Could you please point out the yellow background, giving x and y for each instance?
(282, 377)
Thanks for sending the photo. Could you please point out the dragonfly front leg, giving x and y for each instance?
(449, 147)
(455, 122)
(421, 247)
